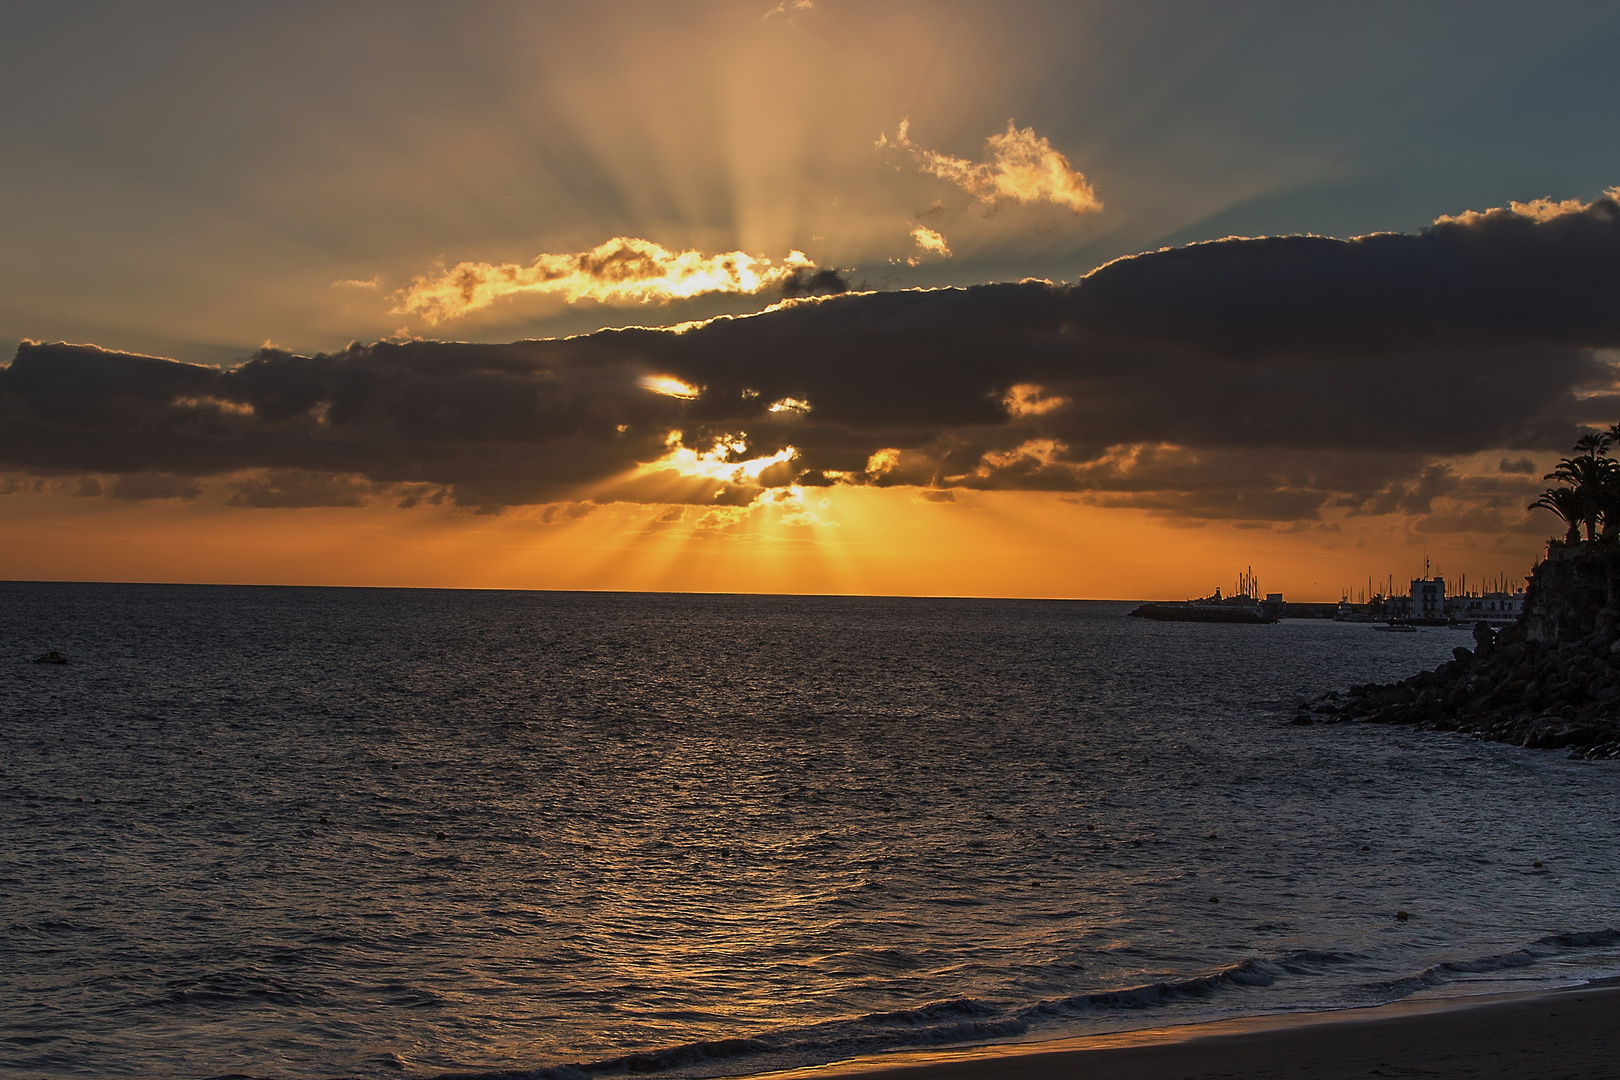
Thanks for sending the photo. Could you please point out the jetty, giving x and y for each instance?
(1244, 605)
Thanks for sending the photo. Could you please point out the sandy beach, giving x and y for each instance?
(1569, 1033)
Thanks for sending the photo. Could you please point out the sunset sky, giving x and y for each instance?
(1011, 299)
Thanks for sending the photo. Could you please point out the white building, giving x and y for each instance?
(1487, 607)
(1429, 599)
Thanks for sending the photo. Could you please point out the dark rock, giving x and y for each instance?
(52, 657)
(1552, 680)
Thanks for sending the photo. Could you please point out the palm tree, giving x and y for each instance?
(1609, 505)
(1611, 490)
(1595, 443)
(1567, 504)
(1590, 491)
(1590, 478)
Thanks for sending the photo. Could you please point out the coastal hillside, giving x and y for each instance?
(1550, 681)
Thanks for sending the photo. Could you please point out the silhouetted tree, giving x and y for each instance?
(1567, 505)
(1589, 491)
(1590, 475)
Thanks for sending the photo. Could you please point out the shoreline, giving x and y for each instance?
(1569, 1032)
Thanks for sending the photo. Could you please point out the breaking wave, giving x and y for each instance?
(970, 1020)
(1544, 948)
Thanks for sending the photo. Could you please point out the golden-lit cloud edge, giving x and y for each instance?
(929, 242)
(1020, 166)
(1274, 381)
(623, 270)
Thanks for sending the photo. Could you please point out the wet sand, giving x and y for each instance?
(1567, 1033)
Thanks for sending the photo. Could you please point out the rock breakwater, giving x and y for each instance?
(1550, 681)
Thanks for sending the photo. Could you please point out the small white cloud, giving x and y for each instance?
(930, 242)
(1021, 167)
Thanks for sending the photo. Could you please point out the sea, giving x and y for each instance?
(309, 833)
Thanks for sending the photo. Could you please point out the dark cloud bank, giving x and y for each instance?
(1257, 379)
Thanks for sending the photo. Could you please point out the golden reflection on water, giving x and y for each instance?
(481, 830)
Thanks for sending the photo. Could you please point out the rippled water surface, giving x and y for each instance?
(319, 832)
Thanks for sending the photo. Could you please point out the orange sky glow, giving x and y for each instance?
(1089, 301)
(863, 541)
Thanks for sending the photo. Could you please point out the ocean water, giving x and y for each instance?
(300, 833)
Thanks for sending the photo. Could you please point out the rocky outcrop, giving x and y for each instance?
(1550, 681)
(1570, 590)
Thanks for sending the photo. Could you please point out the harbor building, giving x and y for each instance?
(1429, 600)
(1504, 607)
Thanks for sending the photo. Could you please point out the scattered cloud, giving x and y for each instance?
(562, 513)
(789, 8)
(299, 489)
(1261, 380)
(624, 270)
(143, 487)
(722, 520)
(790, 406)
(669, 386)
(806, 281)
(1020, 167)
(1027, 399)
(931, 242)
